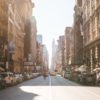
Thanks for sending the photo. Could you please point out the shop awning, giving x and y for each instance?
(2, 69)
(96, 69)
(82, 68)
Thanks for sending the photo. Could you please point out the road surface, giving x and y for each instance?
(53, 88)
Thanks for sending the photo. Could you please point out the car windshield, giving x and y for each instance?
(3, 75)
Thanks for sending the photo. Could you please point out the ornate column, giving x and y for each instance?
(91, 59)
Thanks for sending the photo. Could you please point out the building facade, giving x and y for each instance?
(78, 36)
(39, 58)
(20, 12)
(68, 36)
(30, 44)
(59, 55)
(15, 39)
(3, 31)
(13, 16)
(33, 40)
(91, 30)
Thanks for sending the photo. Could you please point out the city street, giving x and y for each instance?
(55, 38)
(52, 88)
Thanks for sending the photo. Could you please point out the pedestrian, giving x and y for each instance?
(44, 75)
(8, 80)
(97, 78)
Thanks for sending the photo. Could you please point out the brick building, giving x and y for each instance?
(91, 30)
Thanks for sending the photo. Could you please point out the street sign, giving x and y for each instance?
(7, 67)
(28, 63)
(11, 47)
(2, 63)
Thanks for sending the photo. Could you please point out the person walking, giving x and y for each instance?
(98, 78)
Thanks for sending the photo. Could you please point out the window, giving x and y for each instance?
(92, 6)
(97, 3)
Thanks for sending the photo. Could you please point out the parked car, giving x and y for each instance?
(25, 76)
(91, 79)
(19, 78)
(36, 74)
(67, 74)
(87, 78)
(82, 78)
(2, 82)
(31, 75)
(52, 73)
(8, 78)
(28, 76)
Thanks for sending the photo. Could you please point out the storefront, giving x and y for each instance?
(92, 54)
(28, 66)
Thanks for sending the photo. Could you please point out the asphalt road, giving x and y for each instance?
(52, 88)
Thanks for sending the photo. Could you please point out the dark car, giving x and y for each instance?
(67, 74)
(91, 79)
(87, 78)
(2, 82)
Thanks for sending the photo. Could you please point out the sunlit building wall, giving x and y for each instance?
(13, 17)
(23, 11)
(3, 31)
(33, 39)
(15, 38)
(91, 30)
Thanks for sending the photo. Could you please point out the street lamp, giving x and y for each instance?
(10, 48)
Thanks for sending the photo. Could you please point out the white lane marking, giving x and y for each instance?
(50, 92)
(49, 81)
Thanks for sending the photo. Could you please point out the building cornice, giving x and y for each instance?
(92, 43)
(95, 12)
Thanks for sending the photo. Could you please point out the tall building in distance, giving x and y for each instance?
(45, 58)
(42, 60)
(54, 50)
(58, 57)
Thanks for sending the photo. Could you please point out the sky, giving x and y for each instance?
(52, 17)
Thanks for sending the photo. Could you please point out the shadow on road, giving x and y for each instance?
(16, 93)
